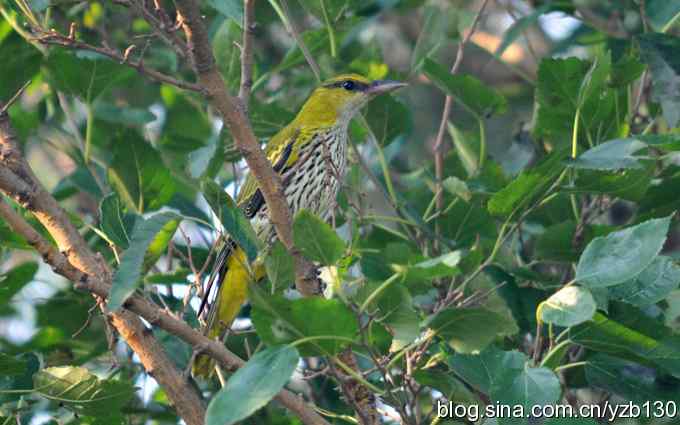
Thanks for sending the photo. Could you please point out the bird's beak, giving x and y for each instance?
(384, 86)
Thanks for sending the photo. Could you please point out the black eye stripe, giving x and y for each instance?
(358, 85)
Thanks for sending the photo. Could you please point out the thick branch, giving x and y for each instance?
(18, 182)
(232, 113)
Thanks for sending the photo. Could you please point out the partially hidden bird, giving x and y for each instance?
(310, 155)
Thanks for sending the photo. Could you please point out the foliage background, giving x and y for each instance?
(558, 188)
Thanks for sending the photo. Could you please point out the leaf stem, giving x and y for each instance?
(569, 366)
(329, 28)
(574, 134)
(482, 145)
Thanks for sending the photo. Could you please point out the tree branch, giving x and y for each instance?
(232, 112)
(247, 52)
(146, 309)
(161, 26)
(55, 38)
(18, 182)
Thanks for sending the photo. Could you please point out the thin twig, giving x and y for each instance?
(161, 25)
(438, 151)
(292, 28)
(55, 38)
(14, 98)
(247, 52)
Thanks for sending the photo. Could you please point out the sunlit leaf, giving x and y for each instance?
(613, 259)
(568, 307)
(82, 391)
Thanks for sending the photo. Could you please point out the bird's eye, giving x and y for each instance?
(348, 85)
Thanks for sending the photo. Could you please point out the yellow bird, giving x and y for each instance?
(310, 154)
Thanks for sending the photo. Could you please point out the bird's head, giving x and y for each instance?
(336, 100)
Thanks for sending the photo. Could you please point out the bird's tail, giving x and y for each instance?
(232, 279)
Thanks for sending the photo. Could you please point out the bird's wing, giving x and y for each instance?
(281, 151)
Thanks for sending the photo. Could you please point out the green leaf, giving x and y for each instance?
(12, 366)
(397, 314)
(127, 115)
(532, 386)
(388, 119)
(84, 74)
(178, 276)
(608, 336)
(478, 99)
(457, 187)
(230, 215)
(568, 307)
(452, 388)
(659, 51)
(12, 281)
(594, 79)
(229, 8)
(186, 127)
(661, 13)
(621, 255)
(253, 385)
(316, 239)
(116, 224)
(417, 275)
(82, 391)
(611, 155)
(652, 285)
(129, 273)
(20, 63)
(138, 174)
(18, 378)
(489, 369)
(557, 242)
(465, 148)
(226, 51)
(614, 375)
(468, 330)
(529, 185)
(279, 320)
(159, 244)
(207, 161)
(280, 267)
(629, 184)
(563, 87)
